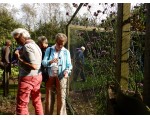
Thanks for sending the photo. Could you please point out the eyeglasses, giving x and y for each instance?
(17, 37)
(45, 43)
(60, 43)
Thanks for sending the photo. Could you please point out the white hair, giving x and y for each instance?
(83, 48)
(22, 31)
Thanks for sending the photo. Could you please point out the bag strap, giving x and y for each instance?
(49, 52)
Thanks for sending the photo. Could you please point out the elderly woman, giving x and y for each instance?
(58, 59)
(43, 44)
(30, 77)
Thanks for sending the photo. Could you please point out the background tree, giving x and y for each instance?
(7, 23)
(29, 15)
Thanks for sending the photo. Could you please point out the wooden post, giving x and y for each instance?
(67, 26)
(146, 91)
(68, 34)
(123, 45)
(68, 46)
(119, 44)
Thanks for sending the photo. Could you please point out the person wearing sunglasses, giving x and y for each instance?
(30, 77)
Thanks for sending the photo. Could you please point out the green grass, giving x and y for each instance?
(13, 89)
(91, 83)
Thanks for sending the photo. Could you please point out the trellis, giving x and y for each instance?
(123, 41)
(123, 37)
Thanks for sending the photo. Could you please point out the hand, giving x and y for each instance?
(17, 53)
(55, 60)
(65, 74)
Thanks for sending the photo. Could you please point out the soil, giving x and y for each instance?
(7, 108)
(83, 102)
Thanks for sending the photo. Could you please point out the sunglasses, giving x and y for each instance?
(17, 38)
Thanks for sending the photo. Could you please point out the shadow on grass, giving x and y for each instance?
(13, 89)
(6, 113)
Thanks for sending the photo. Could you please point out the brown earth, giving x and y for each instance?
(83, 102)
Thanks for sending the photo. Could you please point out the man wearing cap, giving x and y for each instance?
(30, 77)
(79, 64)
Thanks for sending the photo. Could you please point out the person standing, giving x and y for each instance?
(79, 65)
(43, 44)
(59, 67)
(6, 59)
(30, 77)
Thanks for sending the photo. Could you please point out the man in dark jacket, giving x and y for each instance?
(6, 59)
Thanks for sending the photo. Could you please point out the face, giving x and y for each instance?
(9, 43)
(44, 45)
(19, 39)
(59, 44)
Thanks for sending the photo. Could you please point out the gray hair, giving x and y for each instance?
(22, 31)
(42, 39)
(61, 36)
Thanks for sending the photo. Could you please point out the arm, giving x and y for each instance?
(47, 60)
(31, 66)
(7, 52)
(27, 57)
(68, 65)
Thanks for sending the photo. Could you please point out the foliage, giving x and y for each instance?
(100, 46)
(100, 54)
(14, 72)
(49, 30)
(7, 25)
(138, 18)
(29, 13)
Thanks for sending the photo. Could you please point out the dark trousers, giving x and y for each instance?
(45, 76)
(78, 69)
(5, 82)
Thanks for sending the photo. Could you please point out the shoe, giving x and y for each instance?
(84, 80)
